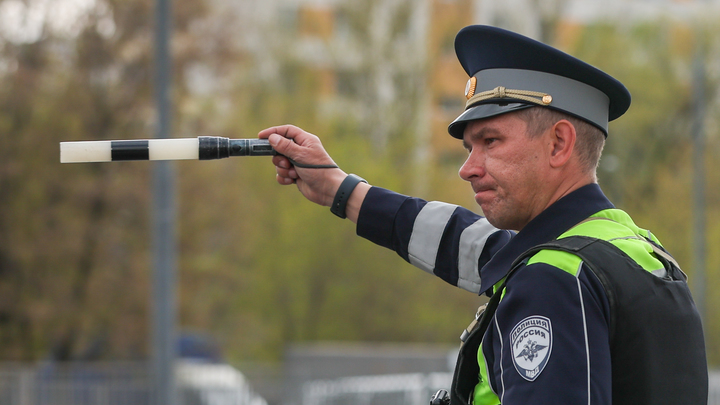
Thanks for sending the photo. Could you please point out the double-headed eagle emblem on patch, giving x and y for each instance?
(530, 350)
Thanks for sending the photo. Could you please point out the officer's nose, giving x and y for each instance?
(473, 166)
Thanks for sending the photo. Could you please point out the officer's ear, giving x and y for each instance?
(562, 139)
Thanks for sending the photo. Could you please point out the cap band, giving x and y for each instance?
(571, 96)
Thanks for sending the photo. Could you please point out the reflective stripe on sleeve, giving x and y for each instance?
(427, 233)
(472, 243)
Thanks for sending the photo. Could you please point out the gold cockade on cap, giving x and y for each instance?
(470, 87)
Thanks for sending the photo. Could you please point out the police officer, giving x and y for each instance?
(610, 322)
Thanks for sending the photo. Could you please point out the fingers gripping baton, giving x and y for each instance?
(201, 148)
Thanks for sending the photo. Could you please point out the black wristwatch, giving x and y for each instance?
(343, 194)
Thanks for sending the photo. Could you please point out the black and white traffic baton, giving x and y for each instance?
(200, 148)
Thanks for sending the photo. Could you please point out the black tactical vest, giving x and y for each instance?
(656, 340)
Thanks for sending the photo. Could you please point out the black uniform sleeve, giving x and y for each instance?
(552, 335)
(443, 239)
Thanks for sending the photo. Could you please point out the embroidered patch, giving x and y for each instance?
(531, 342)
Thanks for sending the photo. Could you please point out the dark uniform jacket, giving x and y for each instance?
(551, 338)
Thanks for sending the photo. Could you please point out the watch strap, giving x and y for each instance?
(343, 194)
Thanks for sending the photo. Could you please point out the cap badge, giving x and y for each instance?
(470, 87)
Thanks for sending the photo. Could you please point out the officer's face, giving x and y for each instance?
(506, 169)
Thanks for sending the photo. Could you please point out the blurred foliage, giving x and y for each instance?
(260, 267)
(647, 166)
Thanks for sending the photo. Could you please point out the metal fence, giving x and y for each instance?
(405, 389)
(209, 384)
(393, 389)
(119, 383)
(714, 394)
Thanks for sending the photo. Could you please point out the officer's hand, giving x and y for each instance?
(292, 143)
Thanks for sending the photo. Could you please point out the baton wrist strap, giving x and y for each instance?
(343, 194)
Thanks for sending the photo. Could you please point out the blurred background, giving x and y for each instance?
(276, 300)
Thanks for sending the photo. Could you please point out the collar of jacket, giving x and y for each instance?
(551, 223)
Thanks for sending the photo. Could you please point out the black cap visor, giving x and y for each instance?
(481, 111)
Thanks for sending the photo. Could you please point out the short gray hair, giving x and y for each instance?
(590, 139)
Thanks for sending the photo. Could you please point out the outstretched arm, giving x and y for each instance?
(443, 239)
(318, 185)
